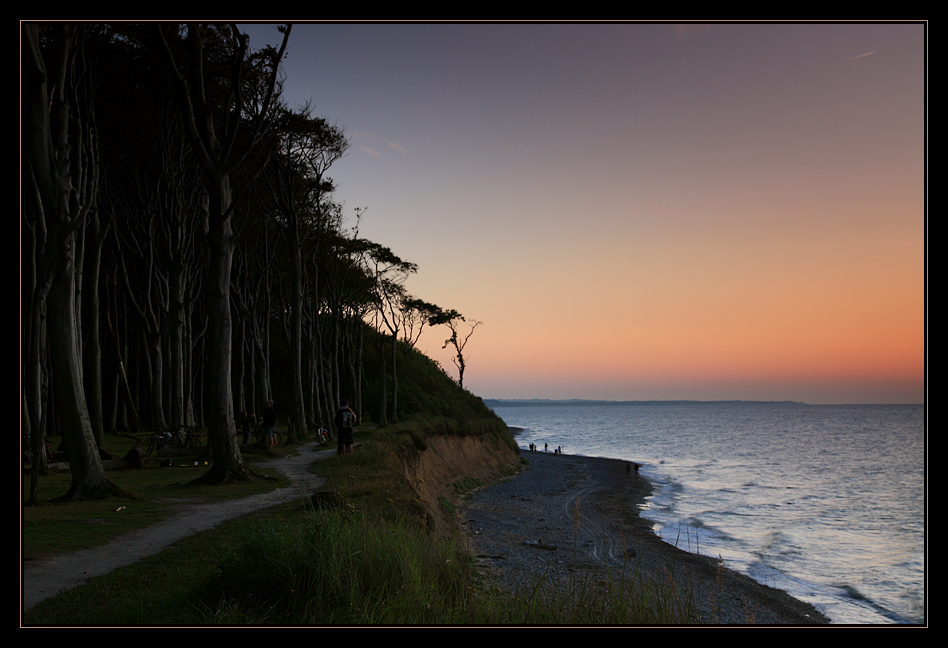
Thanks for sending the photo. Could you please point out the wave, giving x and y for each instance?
(863, 600)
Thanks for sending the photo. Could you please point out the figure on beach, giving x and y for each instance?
(345, 419)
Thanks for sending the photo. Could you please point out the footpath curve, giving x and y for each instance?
(43, 579)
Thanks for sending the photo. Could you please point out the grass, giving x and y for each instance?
(298, 566)
(157, 491)
(340, 568)
(368, 560)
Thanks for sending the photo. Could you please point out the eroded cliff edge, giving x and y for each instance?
(449, 466)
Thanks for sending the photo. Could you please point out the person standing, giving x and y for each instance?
(345, 419)
(269, 422)
(246, 425)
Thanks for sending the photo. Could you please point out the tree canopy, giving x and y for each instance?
(184, 259)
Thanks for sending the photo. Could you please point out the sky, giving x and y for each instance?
(644, 211)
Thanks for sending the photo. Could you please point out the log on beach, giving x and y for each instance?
(584, 512)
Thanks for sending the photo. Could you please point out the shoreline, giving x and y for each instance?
(585, 512)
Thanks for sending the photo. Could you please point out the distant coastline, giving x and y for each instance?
(534, 402)
(544, 402)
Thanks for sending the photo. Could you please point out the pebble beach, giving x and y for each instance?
(566, 518)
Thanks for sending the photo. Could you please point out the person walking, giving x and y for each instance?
(345, 419)
(269, 422)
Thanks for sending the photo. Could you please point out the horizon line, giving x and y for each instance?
(674, 400)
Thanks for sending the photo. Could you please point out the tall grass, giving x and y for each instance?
(373, 561)
(341, 567)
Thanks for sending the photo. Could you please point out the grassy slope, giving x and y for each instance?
(368, 559)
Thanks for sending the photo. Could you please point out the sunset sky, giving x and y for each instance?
(644, 211)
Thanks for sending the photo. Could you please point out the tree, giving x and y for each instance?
(390, 273)
(306, 148)
(252, 300)
(346, 292)
(453, 321)
(222, 136)
(416, 313)
(61, 180)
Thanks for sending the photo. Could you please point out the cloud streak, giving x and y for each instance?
(859, 57)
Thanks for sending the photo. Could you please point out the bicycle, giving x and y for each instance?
(160, 440)
(187, 436)
(277, 437)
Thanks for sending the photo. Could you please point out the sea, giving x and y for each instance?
(826, 502)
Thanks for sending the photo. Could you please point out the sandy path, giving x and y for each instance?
(45, 578)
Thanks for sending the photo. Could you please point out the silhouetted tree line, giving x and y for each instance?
(182, 251)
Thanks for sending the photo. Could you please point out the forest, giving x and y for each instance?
(183, 258)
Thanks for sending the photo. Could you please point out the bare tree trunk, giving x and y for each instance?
(92, 344)
(394, 377)
(217, 158)
(383, 389)
(34, 419)
(88, 476)
(176, 345)
(297, 427)
(219, 405)
(62, 180)
(360, 349)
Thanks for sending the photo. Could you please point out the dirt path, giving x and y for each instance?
(44, 579)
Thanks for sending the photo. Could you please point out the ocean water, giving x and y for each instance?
(826, 502)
